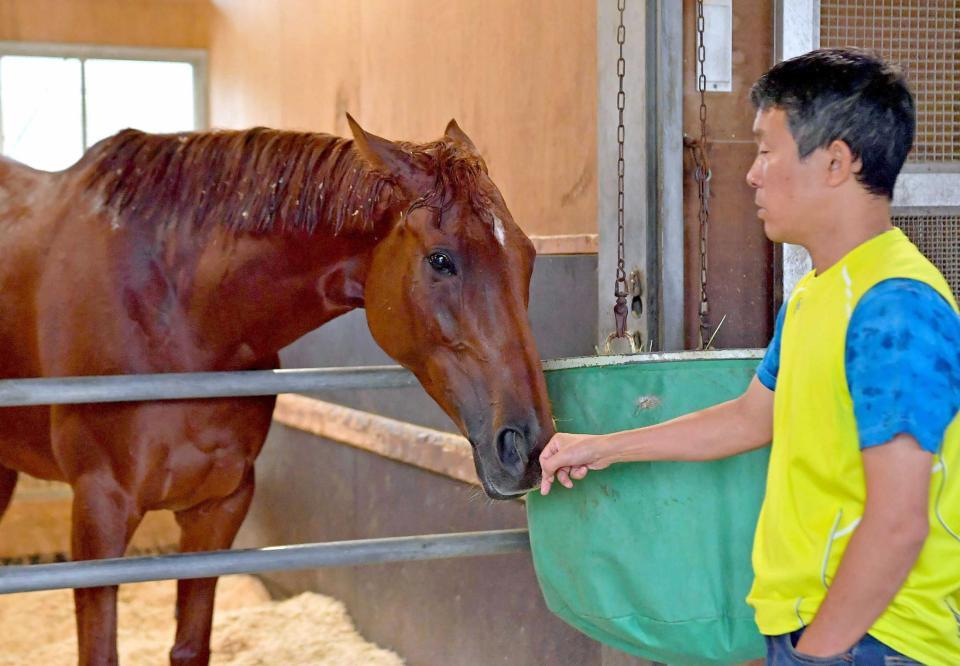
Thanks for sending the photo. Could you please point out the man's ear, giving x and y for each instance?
(842, 164)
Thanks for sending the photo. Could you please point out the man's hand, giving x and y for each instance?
(567, 456)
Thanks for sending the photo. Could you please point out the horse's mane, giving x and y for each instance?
(259, 179)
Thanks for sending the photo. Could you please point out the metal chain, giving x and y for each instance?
(620, 286)
(702, 175)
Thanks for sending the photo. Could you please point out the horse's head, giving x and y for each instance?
(446, 296)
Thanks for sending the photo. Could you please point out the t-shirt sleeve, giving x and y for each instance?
(770, 365)
(903, 363)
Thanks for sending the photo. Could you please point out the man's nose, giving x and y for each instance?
(753, 177)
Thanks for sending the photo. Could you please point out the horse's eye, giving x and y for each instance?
(442, 263)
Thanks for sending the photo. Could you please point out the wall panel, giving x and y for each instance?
(519, 77)
(153, 23)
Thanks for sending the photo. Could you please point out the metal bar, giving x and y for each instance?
(669, 173)
(2, 139)
(180, 386)
(654, 357)
(635, 186)
(84, 134)
(927, 189)
(799, 32)
(201, 98)
(98, 573)
(653, 287)
(799, 27)
(61, 50)
(247, 383)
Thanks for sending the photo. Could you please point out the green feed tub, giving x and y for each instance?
(652, 558)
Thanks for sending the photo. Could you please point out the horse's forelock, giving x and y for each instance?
(460, 175)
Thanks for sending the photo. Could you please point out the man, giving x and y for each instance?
(857, 550)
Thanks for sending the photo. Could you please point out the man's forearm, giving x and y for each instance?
(717, 432)
(872, 571)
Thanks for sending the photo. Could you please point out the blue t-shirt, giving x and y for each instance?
(902, 363)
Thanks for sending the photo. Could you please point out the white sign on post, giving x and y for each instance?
(718, 43)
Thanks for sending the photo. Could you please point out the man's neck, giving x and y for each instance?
(849, 227)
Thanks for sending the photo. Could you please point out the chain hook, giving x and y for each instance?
(702, 175)
(620, 309)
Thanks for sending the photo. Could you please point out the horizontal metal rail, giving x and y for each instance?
(246, 383)
(180, 386)
(98, 573)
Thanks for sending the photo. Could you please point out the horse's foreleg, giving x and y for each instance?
(208, 526)
(104, 519)
(8, 481)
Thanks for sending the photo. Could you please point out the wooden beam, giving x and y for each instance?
(566, 244)
(433, 450)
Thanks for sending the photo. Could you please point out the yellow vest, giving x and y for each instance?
(815, 483)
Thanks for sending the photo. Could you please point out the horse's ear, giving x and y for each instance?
(390, 158)
(454, 132)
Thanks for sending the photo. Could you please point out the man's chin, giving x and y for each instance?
(772, 233)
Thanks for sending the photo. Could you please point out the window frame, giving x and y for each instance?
(83, 52)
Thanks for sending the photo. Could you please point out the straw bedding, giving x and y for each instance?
(249, 629)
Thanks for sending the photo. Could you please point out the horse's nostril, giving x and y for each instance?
(511, 451)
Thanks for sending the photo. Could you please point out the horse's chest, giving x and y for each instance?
(194, 477)
(211, 454)
(167, 455)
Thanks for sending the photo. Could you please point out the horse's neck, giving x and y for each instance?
(255, 180)
(261, 258)
(274, 290)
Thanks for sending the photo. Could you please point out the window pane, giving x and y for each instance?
(40, 107)
(150, 96)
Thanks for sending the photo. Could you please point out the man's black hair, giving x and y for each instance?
(845, 94)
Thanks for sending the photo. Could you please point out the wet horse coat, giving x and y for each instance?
(212, 251)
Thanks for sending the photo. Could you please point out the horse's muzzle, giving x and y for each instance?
(514, 467)
(512, 452)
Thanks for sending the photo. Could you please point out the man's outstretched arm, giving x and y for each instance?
(732, 427)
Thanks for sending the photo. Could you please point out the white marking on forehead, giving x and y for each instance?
(498, 231)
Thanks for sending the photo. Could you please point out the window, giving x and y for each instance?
(57, 101)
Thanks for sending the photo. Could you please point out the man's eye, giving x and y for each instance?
(442, 263)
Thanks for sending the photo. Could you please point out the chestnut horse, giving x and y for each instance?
(212, 251)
